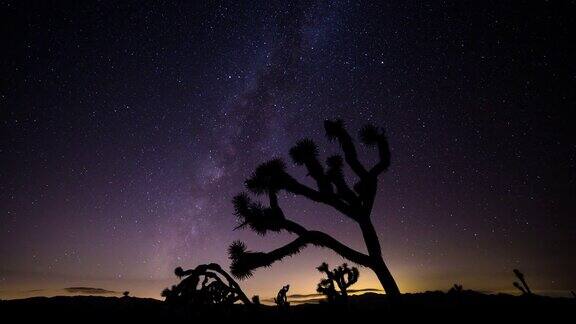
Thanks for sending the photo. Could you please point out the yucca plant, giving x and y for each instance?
(522, 286)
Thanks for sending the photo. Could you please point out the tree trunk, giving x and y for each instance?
(378, 265)
(387, 282)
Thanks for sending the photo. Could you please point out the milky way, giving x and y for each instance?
(128, 127)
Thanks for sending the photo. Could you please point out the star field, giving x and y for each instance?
(127, 128)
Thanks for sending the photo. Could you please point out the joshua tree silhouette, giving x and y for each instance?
(281, 299)
(356, 203)
(456, 289)
(524, 287)
(212, 289)
(343, 276)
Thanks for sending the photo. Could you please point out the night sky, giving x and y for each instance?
(127, 128)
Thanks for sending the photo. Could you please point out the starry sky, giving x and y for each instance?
(127, 127)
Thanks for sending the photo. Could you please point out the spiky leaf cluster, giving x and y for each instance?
(258, 218)
(304, 151)
(243, 261)
(179, 272)
(335, 162)
(346, 276)
(170, 292)
(326, 287)
(323, 267)
(268, 177)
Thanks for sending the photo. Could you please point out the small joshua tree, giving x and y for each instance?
(342, 276)
(524, 287)
(281, 299)
(206, 284)
(355, 202)
(456, 289)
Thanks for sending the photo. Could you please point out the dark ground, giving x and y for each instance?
(466, 306)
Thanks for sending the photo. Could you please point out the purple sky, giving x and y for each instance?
(127, 128)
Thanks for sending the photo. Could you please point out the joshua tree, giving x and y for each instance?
(204, 285)
(281, 299)
(326, 287)
(456, 289)
(343, 276)
(356, 203)
(524, 287)
(256, 300)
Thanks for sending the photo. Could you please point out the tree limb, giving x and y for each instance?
(292, 185)
(336, 129)
(322, 239)
(336, 176)
(384, 155)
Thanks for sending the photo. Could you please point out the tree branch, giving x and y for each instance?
(322, 239)
(245, 262)
(336, 176)
(316, 171)
(231, 282)
(384, 154)
(292, 185)
(305, 152)
(335, 129)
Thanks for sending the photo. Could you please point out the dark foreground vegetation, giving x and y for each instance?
(463, 306)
